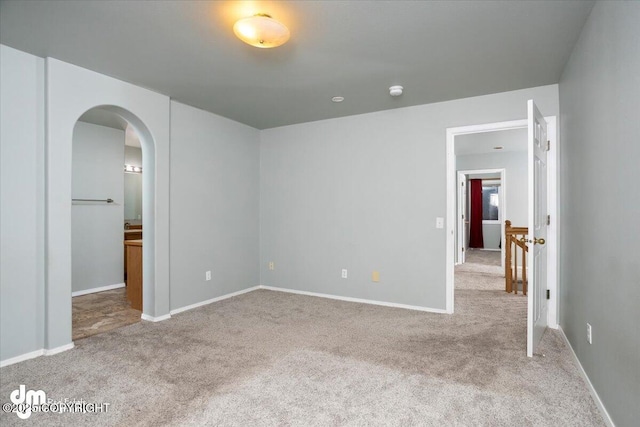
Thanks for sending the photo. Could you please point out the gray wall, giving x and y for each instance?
(21, 203)
(96, 228)
(515, 165)
(132, 156)
(363, 193)
(600, 204)
(214, 205)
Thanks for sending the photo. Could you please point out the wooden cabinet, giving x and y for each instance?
(133, 254)
(130, 234)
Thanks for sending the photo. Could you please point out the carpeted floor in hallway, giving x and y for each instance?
(270, 358)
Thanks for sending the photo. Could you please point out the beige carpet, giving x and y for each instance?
(481, 271)
(484, 257)
(268, 358)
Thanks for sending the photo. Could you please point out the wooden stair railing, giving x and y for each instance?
(515, 237)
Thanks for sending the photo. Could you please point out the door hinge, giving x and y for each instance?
(462, 216)
(462, 249)
(548, 219)
(548, 294)
(548, 145)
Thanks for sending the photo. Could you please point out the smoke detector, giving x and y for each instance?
(395, 90)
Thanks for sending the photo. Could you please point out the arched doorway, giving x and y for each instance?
(106, 212)
(70, 92)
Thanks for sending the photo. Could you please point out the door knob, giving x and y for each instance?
(523, 239)
(539, 241)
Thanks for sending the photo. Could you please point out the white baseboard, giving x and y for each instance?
(21, 358)
(212, 300)
(155, 319)
(34, 354)
(359, 300)
(594, 394)
(52, 351)
(312, 294)
(100, 289)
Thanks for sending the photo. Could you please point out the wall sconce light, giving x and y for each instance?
(132, 169)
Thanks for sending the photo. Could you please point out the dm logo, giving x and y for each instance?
(26, 399)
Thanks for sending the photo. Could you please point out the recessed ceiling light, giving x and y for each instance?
(262, 31)
(337, 99)
(499, 147)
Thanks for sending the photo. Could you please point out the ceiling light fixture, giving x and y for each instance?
(395, 90)
(498, 147)
(262, 31)
(337, 99)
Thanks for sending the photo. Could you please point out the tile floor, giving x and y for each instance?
(100, 312)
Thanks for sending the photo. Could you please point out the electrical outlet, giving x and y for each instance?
(344, 273)
(272, 266)
(207, 275)
(589, 336)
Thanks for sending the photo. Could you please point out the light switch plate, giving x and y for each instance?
(439, 222)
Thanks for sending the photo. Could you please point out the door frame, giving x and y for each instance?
(552, 205)
(503, 206)
(461, 210)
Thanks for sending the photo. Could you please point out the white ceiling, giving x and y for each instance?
(437, 50)
(483, 143)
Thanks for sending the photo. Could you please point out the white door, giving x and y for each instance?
(462, 217)
(537, 260)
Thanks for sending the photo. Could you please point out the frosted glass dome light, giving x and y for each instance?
(261, 31)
